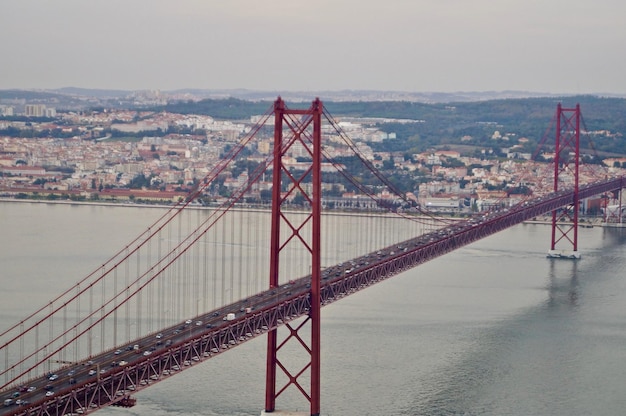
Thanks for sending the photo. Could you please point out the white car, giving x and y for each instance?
(49, 393)
(92, 372)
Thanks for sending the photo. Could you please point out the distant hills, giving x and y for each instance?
(451, 118)
(360, 95)
(89, 94)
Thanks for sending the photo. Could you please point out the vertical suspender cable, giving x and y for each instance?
(22, 345)
(187, 298)
(178, 276)
(333, 240)
(102, 316)
(190, 297)
(114, 307)
(223, 262)
(36, 345)
(250, 243)
(77, 305)
(243, 291)
(171, 295)
(89, 332)
(62, 353)
(213, 257)
(383, 229)
(182, 276)
(373, 219)
(138, 318)
(195, 256)
(150, 287)
(127, 304)
(362, 233)
(6, 363)
(50, 328)
(160, 307)
(260, 241)
(232, 261)
(205, 269)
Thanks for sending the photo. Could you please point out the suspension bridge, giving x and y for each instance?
(200, 281)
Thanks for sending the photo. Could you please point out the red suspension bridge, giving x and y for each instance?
(195, 283)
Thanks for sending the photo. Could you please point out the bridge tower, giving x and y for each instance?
(566, 167)
(304, 131)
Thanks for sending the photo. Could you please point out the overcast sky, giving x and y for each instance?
(556, 46)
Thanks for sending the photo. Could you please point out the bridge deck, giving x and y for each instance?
(111, 377)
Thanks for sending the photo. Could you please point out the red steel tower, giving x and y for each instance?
(303, 129)
(566, 167)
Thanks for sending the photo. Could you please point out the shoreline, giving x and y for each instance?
(584, 223)
(96, 203)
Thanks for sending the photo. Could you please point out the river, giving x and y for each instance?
(493, 329)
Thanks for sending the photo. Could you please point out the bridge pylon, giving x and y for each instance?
(566, 169)
(303, 129)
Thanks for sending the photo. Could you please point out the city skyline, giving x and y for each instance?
(430, 46)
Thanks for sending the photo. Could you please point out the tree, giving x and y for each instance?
(139, 181)
(388, 164)
(266, 195)
(452, 162)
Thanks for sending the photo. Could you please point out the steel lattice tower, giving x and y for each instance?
(566, 168)
(299, 124)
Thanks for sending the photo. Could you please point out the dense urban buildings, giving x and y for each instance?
(146, 156)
